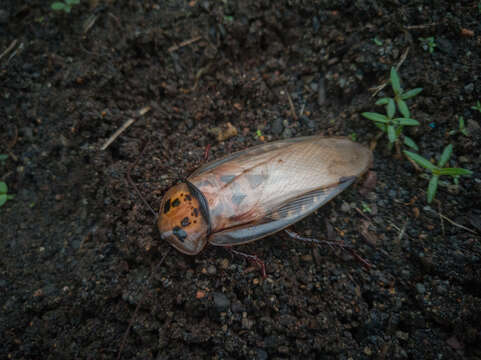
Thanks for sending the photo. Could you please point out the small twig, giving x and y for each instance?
(385, 83)
(362, 214)
(184, 43)
(9, 48)
(14, 141)
(452, 222)
(12, 144)
(126, 124)
(87, 25)
(422, 26)
(116, 134)
(402, 231)
(442, 220)
(291, 104)
(416, 166)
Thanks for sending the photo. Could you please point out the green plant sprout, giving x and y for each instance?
(4, 196)
(462, 128)
(477, 106)
(65, 6)
(377, 41)
(365, 207)
(387, 123)
(428, 44)
(3, 158)
(438, 170)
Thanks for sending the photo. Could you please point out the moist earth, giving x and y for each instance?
(79, 249)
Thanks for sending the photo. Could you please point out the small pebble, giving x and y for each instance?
(221, 302)
(420, 288)
(211, 270)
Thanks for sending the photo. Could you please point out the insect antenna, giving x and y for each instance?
(141, 301)
(131, 183)
(157, 267)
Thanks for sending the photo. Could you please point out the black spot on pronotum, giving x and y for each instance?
(179, 234)
(185, 222)
(196, 212)
(167, 206)
(176, 202)
(188, 197)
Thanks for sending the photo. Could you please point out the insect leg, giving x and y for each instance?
(253, 258)
(331, 244)
(206, 153)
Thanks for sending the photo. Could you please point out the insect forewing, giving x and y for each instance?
(261, 190)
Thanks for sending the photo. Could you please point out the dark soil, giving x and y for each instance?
(78, 247)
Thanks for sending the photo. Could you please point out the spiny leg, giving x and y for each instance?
(252, 258)
(331, 244)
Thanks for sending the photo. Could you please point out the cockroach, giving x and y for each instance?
(253, 193)
(256, 192)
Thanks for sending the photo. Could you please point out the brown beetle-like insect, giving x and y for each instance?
(256, 192)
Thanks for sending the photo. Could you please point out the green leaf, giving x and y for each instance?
(3, 199)
(3, 157)
(455, 171)
(411, 93)
(381, 126)
(3, 187)
(383, 101)
(391, 133)
(448, 150)
(409, 142)
(72, 2)
(432, 187)
(420, 160)
(395, 82)
(403, 108)
(399, 130)
(406, 122)
(391, 108)
(57, 6)
(375, 117)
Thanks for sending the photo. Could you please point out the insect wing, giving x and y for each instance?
(288, 214)
(295, 177)
(249, 152)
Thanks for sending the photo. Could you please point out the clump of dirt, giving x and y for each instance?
(79, 248)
